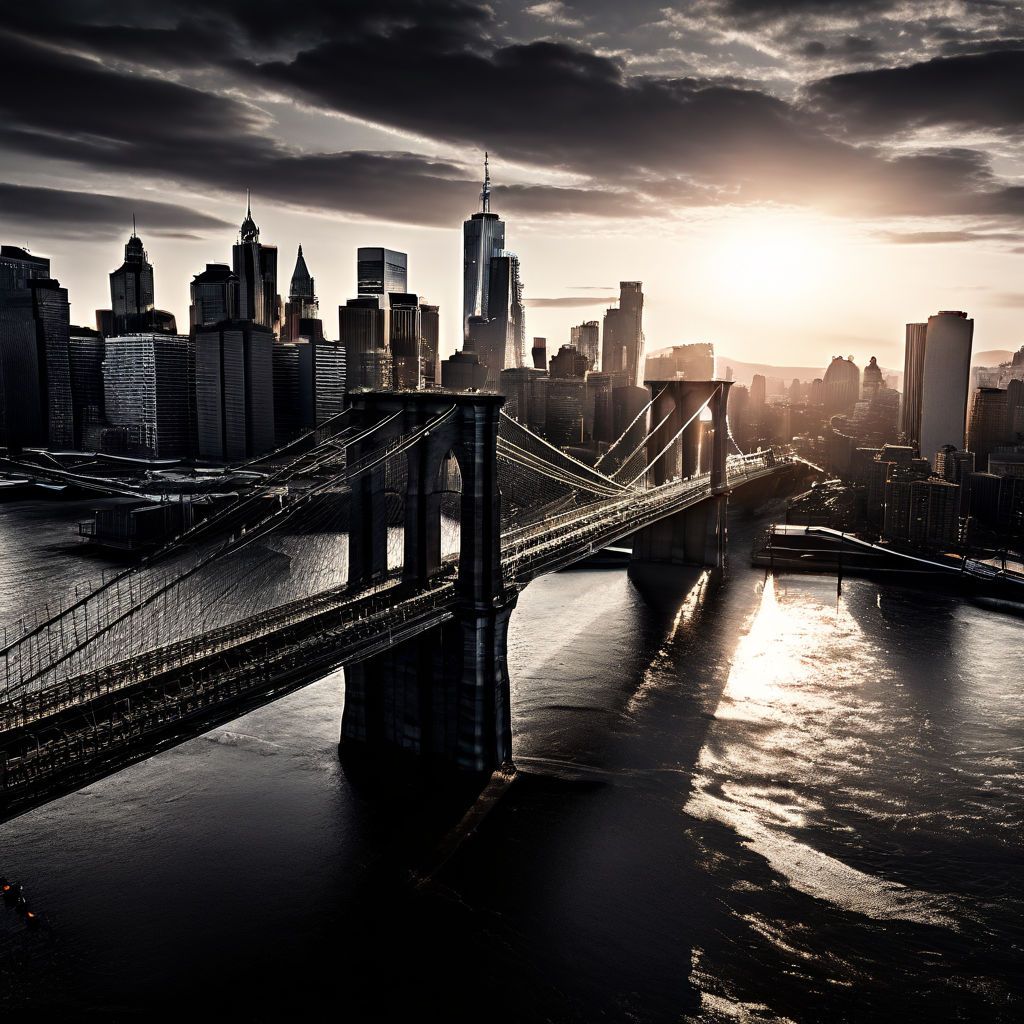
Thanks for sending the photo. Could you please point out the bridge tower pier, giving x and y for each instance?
(444, 694)
(697, 535)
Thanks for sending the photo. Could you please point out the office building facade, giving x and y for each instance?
(234, 390)
(945, 381)
(145, 394)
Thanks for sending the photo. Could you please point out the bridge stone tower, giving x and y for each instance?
(445, 693)
(695, 536)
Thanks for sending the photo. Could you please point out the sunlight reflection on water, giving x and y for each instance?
(763, 770)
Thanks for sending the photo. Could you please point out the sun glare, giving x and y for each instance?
(768, 257)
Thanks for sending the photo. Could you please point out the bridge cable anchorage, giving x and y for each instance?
(636, 419)
(105, 605)
(678, 434)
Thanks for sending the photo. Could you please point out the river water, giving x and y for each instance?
(754, 801)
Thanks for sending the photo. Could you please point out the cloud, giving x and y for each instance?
(572, 301)
(1013, 300)
(946, 237)
(66, 214)
(637, 144)
(970, 92)
(555, 12)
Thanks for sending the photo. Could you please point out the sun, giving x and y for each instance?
(764, 257)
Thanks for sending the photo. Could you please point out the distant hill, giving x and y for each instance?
(991, 357)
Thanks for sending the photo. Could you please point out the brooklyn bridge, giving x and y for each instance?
(392, 541)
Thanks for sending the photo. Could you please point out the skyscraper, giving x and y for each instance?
(622, 347)
(214, 296)
(132, 296)
(539, 352)
(34, 341)
(405, 340)
(364, 326)
(585, 338)
(255, 266)
(302, 310)
(988, 426)
(430, 328)
(131, 287)
(945, 381)
(85, 355)
(145, 383)
(872, 379)
(483, 238)
(842, 386)
(22, 418)
(913, 378)
(567, 362)
(234, 390)
(380, 271)
(505, 312)
(309, 385)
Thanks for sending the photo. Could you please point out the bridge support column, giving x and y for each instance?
(697, 535)
(443, 695)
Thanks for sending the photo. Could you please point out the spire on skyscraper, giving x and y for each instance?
(485, 194)
(302, 283)
(248, 231)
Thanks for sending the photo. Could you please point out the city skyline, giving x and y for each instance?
(740, 243)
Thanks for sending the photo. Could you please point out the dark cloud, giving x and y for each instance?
(72, 109)
(642, 144)
(763, 12)
(572, 301)
(947, 237)
(974, 91)
(68, 214)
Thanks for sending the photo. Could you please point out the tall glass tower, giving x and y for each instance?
(483, 238)
(131, 288)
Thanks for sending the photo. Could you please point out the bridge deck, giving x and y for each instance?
(59, 736)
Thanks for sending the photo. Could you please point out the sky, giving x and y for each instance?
(790, 179)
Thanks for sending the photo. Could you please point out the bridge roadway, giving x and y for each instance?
(63, 735)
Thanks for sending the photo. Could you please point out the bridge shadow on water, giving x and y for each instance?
(568, 891)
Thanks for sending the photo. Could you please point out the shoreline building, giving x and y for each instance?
(945, 381)
(35, 372)
(234, 390)
(913, 376)
(145, 394)
(85, 354)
